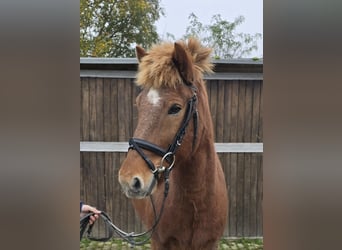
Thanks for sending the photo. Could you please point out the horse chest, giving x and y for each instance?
(182, 227)
(182, 216)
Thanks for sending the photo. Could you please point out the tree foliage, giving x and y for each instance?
(221, 35)
(111, 28)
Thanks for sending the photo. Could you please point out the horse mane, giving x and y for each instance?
(157, 67)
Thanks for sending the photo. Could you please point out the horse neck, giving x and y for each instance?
(196, 174)
(200, 165)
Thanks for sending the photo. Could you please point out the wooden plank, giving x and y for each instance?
(233, 208)
(84, 162)
(129, 86)
(116, 201)
(261, 114)
(219, 113)
(260, 198)
(253, 195)
(84, 109)
(125, 61)
(92, 109)
(223, 160)
(114, 110)
(82, 80)
(234, 112)
(248, 112)
(243, 147)
(246, 195)
(240, 76)
(113, 61)
(255, 136)
(228, 91)
(99, 167)
(118, 74)
(82, 180)
(241, 113)
(107, 114)
(121, 110)
(109, 183)
(128, 74)
(124, 109)
(92, 183)
(95, 146)
(99, 110)
(100, 146)
(86, 194)
(240, 195)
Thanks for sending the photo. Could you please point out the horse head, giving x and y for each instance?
(170, 76)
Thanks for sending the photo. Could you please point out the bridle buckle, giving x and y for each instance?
(164, 158)
(161, 167)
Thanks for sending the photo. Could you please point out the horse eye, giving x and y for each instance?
(174, 109)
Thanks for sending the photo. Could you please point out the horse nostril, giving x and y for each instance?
(136, 184)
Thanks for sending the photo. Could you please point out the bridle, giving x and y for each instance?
(167, 155)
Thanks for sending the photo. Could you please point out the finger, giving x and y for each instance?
(96, 211)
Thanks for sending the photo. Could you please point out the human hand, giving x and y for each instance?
(89, 209)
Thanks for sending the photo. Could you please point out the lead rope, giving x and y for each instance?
(129, 237)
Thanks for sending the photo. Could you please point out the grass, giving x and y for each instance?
(245, 244)
(225, 244)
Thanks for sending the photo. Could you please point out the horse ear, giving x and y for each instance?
(140, 52)
(183, 61)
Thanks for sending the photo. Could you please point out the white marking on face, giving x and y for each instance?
(153, 96)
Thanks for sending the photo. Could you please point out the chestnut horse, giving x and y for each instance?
(174, 143)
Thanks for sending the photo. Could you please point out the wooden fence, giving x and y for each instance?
(108, 118)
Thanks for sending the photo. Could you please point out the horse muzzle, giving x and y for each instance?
(135, 187)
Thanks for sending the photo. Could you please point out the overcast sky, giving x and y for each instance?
(177, 13)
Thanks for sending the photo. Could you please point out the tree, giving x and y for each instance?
(222, 37)
(111, 28)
